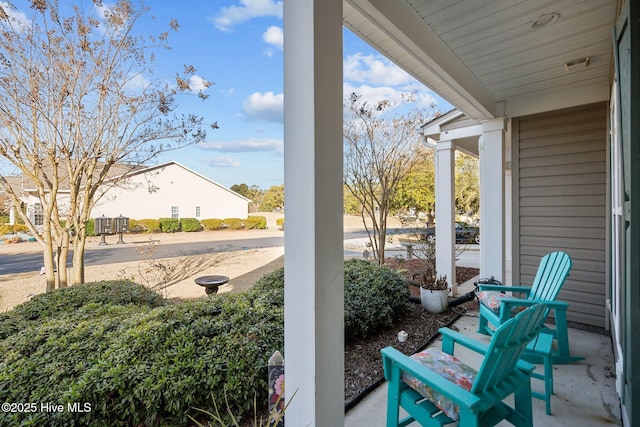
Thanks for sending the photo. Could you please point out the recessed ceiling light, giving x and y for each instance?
(544, 20)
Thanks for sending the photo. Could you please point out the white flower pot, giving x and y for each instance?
(434, 302)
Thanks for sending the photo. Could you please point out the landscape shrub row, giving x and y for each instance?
(252, 222)
(167, 225)
(138, 359)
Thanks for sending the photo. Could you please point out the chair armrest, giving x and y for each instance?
(393, 359)
(526, 366)
(500, 288)
(516, 302)
(451, 337)
(557, 305)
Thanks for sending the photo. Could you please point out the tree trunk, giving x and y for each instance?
(382, 234)
(50, 277)
(78, 257)
(62, 263)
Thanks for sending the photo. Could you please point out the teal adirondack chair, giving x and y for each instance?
(496, 307)
(436, 389)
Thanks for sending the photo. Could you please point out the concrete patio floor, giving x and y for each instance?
(585, 393)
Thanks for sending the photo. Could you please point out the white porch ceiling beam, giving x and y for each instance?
(393, 29)
(453, 134)
(557, 100)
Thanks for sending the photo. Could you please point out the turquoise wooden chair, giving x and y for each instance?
(496, 307)
(436, 389)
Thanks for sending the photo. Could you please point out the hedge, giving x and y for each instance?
(190, 224)
(140, 360)
(374, 296)
(256, 222)
(169, 225)
(135, 360)
(212, 224)
(11, 229)
(234, 223)
(150, 225)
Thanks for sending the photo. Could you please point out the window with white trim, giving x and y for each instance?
(38, 214)
(175, 212)
(197, 211)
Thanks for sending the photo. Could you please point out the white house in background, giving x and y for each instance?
(170, 190)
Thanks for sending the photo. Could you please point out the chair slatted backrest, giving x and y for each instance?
(552, 272)
(506, 346)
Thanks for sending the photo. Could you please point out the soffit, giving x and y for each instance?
(483, 57)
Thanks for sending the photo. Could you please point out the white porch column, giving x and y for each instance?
(12, 215)
(492, 201)
(314, 296)
(445, 213)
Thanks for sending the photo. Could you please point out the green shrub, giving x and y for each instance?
(135, 226)
(169, 225)
(256, 222)
(280, 222)
(234, 223)
(66, 300)
(150, 225)
(4, 219)
(373, 296)
(90, 228)
(142, 365)
(212, 224)
(190, 224)
(12, 229)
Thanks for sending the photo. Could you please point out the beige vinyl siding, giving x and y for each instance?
(561, 202)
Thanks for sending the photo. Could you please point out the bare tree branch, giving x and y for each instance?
(71, 111)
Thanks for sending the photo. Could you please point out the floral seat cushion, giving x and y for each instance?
(493, 300)
(448, 367)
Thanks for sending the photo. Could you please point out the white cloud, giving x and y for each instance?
(137, 83)
(197, 84)
(425, 99)
(274, 37)
(372, 95)
(250, 145)
(265, 106)
(18, 19)
(246, 10)
(374, 69)
(222, 162)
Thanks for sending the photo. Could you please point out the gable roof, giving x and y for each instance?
(21, 185)
(176, 164)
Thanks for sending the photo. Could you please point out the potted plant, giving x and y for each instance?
(434, 294)
(434, 289)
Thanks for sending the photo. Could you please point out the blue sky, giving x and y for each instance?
(237, 44)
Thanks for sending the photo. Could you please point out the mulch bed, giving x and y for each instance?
(362, 359)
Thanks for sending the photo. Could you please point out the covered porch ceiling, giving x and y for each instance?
(495, 58)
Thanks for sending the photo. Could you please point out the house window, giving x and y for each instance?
(38, 214)
(175, 212)
(197, 211)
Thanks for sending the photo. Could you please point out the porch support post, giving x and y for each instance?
(314, 295)
(445, 213)
(492, 199)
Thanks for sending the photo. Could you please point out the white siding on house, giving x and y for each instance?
(561, 202)
(153, 193)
